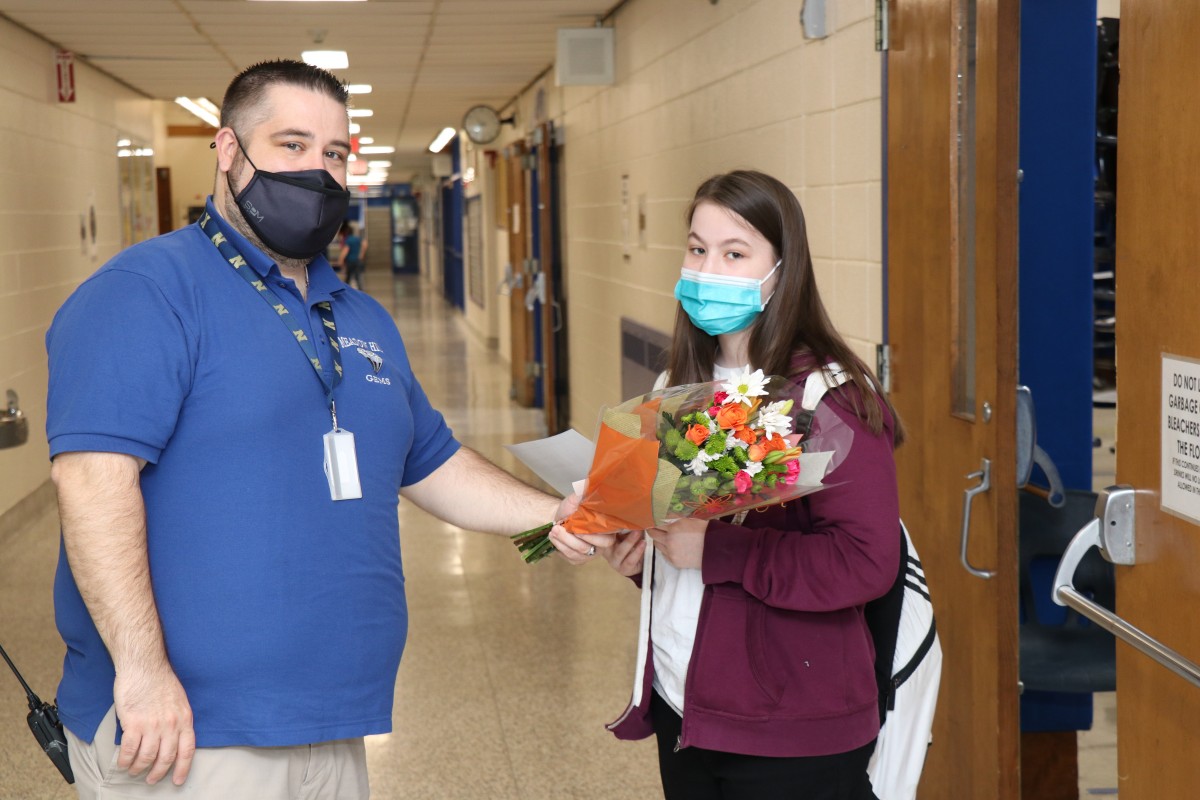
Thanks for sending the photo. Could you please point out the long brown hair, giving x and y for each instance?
(794, 329)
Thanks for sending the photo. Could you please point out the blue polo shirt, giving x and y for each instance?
(284, 611)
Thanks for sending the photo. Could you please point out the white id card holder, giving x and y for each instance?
(341, 465)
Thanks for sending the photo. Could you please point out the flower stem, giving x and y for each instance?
(534, 544)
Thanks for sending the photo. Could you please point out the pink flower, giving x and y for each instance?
(742, 482)
(720, 397)
(793, 472)
(712, 412)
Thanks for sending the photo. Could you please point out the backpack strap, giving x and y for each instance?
(818, 382)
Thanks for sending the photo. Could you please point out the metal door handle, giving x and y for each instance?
(1113, 532)
(984, 476)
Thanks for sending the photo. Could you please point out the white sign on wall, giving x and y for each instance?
(1181, 437)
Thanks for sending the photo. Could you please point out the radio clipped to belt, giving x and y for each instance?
(46, 726)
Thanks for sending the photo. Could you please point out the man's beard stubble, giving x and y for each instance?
(233, 215)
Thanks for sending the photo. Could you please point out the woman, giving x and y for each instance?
(758, 677)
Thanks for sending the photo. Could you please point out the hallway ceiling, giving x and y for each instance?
(428, 60)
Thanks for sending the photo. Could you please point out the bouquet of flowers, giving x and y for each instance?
(700, 450)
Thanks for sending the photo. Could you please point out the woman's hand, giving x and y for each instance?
(627, 553)
(681, 542)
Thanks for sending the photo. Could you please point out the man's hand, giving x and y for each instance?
(156, 721)
(681, 542)
(567, 507)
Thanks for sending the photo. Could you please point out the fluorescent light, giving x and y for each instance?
(366, 140)
(379, 164)
(326, 59)
(208, 105)
(440, 141)
(376, 150)
(361, 112)
(359, 88)
(199, 110)
(355, 128)
(123, 143)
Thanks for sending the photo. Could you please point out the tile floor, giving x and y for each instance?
(510, 670)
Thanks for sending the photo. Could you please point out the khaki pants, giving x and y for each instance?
(325, 771)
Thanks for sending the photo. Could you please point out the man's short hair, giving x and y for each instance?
(243, 107)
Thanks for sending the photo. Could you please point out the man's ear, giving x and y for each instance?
(226, 146)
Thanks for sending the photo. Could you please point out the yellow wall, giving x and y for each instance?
(60, 159)
(702, 89)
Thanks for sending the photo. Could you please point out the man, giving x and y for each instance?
(227, 471)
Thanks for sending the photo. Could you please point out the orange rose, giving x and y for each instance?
(745, 434)
(733, 416)
(758, 450)
(696, 434)
(775, 443)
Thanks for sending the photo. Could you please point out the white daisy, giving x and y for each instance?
(774, 419)
(699, 464)
(745, 386)
(752, 468)
(732, 441)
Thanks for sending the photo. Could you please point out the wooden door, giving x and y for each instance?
(166, 221)
(1157, 301)
(951, 221)
(520, 320)
(551, 308)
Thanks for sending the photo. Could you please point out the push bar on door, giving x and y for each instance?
(1112, 530)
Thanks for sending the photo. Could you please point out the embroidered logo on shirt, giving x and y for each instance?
(374, 358)
(371, 352)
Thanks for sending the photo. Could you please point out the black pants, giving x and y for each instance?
(696, 774)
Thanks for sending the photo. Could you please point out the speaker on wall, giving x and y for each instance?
(585, 57)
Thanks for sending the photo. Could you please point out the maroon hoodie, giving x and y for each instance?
(783, 661)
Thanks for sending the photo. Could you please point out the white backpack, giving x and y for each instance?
(901, 622)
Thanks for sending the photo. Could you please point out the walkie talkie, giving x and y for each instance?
(46, 726)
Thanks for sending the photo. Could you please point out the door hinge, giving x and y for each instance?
(883, 366)
(533, 369)
(882, 25)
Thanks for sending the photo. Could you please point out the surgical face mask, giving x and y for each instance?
(296, 214)
(719, 304)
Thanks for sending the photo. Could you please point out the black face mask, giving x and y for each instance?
(296, 214)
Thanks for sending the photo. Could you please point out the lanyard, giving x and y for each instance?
(324, 309)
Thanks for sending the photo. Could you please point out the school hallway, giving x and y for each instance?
(510, 671)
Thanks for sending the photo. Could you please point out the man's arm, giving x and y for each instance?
(473, 493)
(104, 529)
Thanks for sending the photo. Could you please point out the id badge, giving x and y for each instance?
(341, 465)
